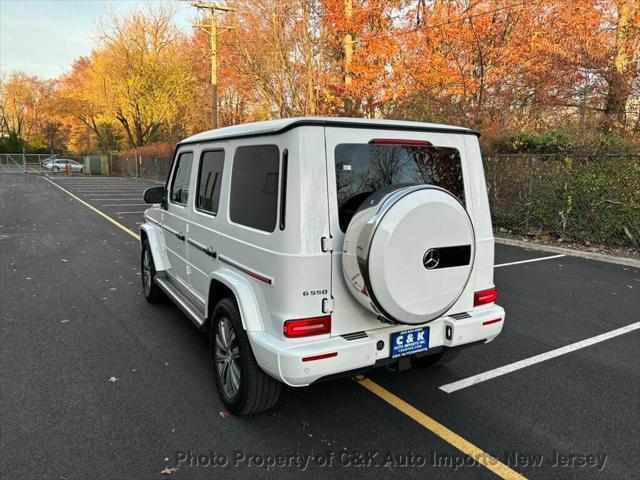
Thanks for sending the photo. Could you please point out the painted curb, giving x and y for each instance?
(600, 257)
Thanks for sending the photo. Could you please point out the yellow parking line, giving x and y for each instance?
(441, 431)
(91, 207)
(427, 422)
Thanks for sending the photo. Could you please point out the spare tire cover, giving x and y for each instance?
(408, 256)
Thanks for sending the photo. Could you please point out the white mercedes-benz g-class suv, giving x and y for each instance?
(317, 247)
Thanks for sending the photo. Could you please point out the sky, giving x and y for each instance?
(44, 37)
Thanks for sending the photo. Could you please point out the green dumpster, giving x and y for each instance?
(95, 165)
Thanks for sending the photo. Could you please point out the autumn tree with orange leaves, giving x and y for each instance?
(493, 65)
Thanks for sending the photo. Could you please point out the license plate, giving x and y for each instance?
(409, 342)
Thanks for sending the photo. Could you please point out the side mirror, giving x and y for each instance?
(154, 195)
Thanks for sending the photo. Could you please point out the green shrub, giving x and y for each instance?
(591, 201)
(563, 141)
(528, 142)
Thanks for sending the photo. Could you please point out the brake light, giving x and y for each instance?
(399, 141)
(307, 326)
(485, 296)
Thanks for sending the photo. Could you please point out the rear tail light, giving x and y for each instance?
(485, 296)
(307, 326)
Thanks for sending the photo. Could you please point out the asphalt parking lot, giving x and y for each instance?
(97, 383)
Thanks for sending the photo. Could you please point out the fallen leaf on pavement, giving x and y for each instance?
(64, 321)
(169, 470)
(114, 379)
(224, 413)
(64, 260)
(305, 423)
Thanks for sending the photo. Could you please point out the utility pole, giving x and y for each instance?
(213, 29)
(348, 53)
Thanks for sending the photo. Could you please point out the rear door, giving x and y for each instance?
(351, 172)
(203, 236)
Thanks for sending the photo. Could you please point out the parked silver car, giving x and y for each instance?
(59, 164)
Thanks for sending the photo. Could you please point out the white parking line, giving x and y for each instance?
(124, 213)
(114, 194)
(528, 261)
(497, 372)
(89, 187)
(104, 185)
(124, 205)
(126, 199)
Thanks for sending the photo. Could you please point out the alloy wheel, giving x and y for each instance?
(227, 358)
(146, 272)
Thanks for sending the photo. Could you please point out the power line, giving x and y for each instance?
(450, 22)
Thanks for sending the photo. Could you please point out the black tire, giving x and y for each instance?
(436, 360)
(254, 390)
(56, 169)
(152, 292)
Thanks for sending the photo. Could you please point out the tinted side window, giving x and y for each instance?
(254, 187)
(181, 176)
(209, 181)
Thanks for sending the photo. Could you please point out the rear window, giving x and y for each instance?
(362, 169)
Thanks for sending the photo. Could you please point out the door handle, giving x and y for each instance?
(180, 236)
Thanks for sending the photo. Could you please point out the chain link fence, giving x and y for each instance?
(588, 199)
(35, 162)
(151, 161)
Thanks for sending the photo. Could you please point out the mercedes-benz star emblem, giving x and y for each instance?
(431, 259)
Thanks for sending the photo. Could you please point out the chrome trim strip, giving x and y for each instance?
(207, 250)
(175, 232)
(251, 273)
(169, 229)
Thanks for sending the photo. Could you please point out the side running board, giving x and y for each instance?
(195, 314)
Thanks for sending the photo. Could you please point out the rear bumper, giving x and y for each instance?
(284, 360)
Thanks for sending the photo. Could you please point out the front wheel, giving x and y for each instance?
(152, 292)
(244, 388)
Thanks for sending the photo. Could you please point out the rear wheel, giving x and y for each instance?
(436, 360)
(244, 388)
(152, 292)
